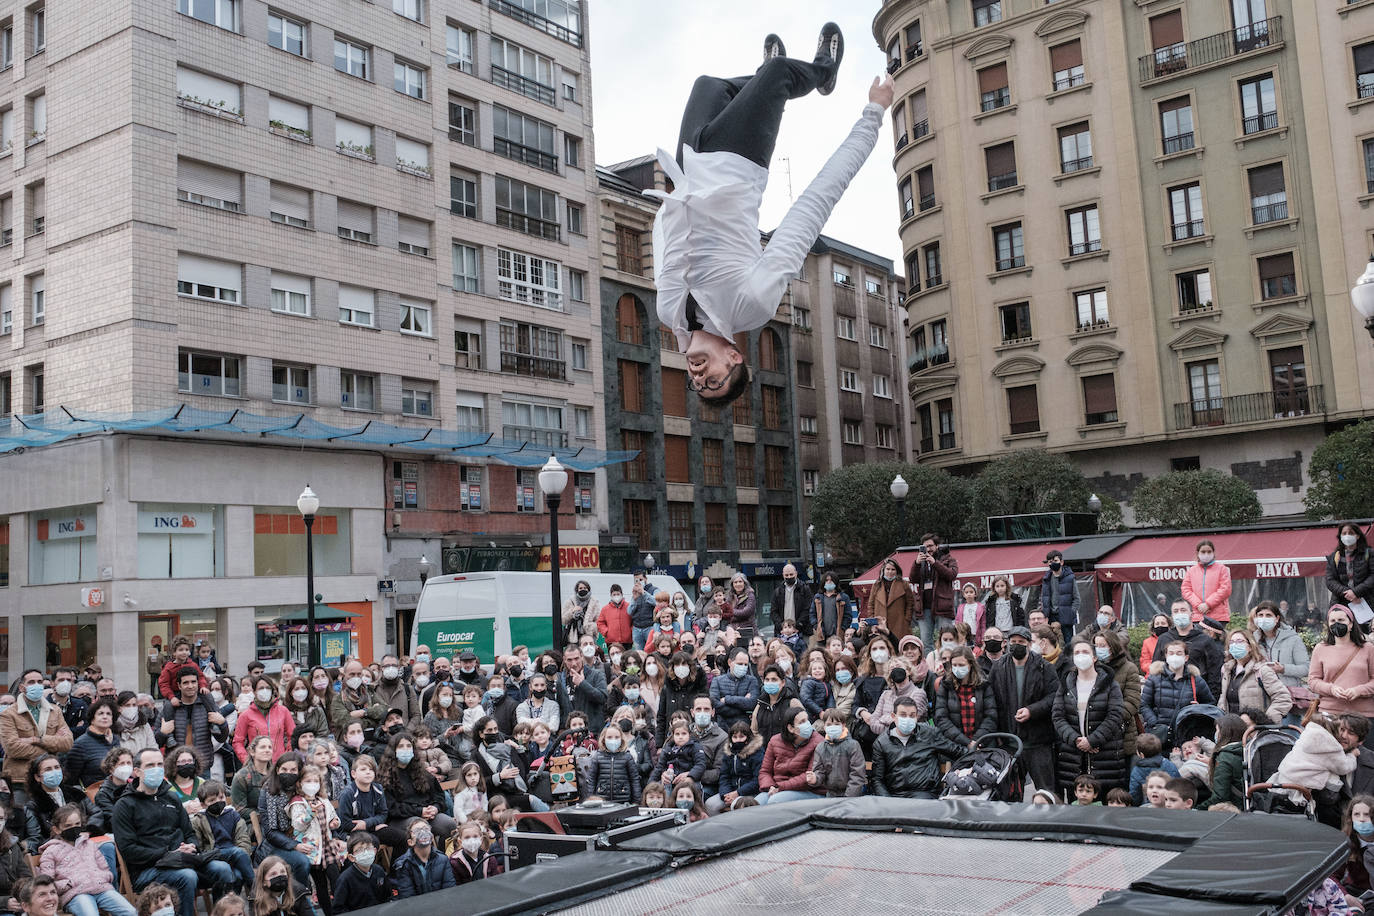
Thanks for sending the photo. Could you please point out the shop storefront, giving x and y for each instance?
(279, 543)
(62, 546)
(180, 541)
(344, 628)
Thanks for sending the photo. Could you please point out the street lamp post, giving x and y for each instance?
(899, 490)
(1095, 507)
(425, 567)
(811, 550)
(553, 480)
(649, 563)
(308, 504)
(1362, 295)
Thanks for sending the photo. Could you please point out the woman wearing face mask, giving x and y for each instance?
(1207, 585)
(831, 608)
(183, 782)
(1342, 671)
(965, 705)
(1159, 625)
(743, 604)
(83, 760)
(787, 759)
(1088, 720)
(901, 684)
(1110, 650)
(48, 791)
(277, 892)
(444, 719)
(132, 726)
(892, 601)
(844, 686)
(579, 613)
(655, 673)
(306, 708)
(1349, 570)
(685, 680)
(1173, 684)
(773, 709)
(1358, 825)
(278, 836)
(246, 788)
(500, 767)
(1281, 646)
(265, 716)
(117, 766)
(874, 664)
(540, 707)
(947, 640)
(411, 791)
(1247, 680)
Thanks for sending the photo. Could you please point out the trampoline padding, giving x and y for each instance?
(1115, 903)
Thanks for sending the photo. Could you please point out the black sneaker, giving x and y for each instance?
(773, 47)
(829, 52)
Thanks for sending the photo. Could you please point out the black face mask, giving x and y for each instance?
(582, 593)
(550, 670)
(1055, 565)
(790, 580)
(491, 739)
(738, 745)
(216, 808)
(288, 780)
(626, 725)
(538, 692)
(186, 770)
(279, 884)
(993, 645)
(396, 729)
(1340, 629)
(1159, 631)
(71, 833)
(1018, 650)
(898, 675)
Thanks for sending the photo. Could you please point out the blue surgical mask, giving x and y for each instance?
(1102, 652)
(1181, 620)
(906, 724)
(771, 688)
(959, 671)
(52, 779)
(33, 692)
(1239, 650)
(152, 777)
(496, 693)
(702, 719)
(830, 586)
(739, 670)
(685, 803)
(1103, 620)
(632, 694)
(833, 732)
(805, 730)
(404, 756)
(612, 744)
(843, 676)
(1363, 828)
(1266, 624)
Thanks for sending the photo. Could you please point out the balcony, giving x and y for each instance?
(1364, 85)
(1075, 77)
(1269, 213)
(914, 51)
(509, 79)
(1189, 230)
(999, 182)
(1077, 165)
(534, 366)
(1211, 49)
(549, 438)
(561, 32)
(539, 228)
(996, 98)
(1260, 122)
(1088, 247)
(920, 129)
(526, 154)
(1179, 143)
(928, 358)
(1011, 263)
(1259, 407)
(927, 202)
(902, 140)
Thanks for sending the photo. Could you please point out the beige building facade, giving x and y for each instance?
(1110, 214)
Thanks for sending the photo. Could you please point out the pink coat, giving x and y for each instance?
(78, 869)
(276, 724)
(1211, 584)
(980, 621)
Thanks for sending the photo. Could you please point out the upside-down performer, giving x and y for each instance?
(713, 279)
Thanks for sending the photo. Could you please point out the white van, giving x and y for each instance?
(489, 612)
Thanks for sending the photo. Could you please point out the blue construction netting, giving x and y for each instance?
(37, 430)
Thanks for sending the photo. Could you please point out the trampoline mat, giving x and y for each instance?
(830, 872)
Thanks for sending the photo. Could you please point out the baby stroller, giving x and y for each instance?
(1196, 720)
(1263, 749)
(990, 770)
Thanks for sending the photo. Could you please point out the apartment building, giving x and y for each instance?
(849, 349)
(366, 214)
(714, 489)
(1112, 215)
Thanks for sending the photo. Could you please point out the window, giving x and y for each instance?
(680, 532)
(411, 9)
(900, 136)
(290, 293)
(351, 58)
(807, 426)
(637, 522)
(908, 202)
(6, 309)
(199, 90)
(676, 463)
(1194, 290)
(62, 546)
(461, 42)
(1085, 234)
(6, 396)
(811, 480)
(7, 46)
(353, 137)
(1268, 197)
(205, 278)
(6, 130)
(1204, 387)
(882, 387)
(1090, 306)
(526, 208)
(289, 205)
(894, 54)
(986, 12)
(629, 324)
(1016, 322)
(572, 151)
(532, 350)
(1075, 148)
(577, 285)
(417, 400)
(462, 190)
(1166, 39)
(743, 408)
(1176, 124)
(716, 538)
(1259, 109)
(522, 70)
(525, 278)
(405, 484)
(920, 119)
(1009, 247)
(1277, 276)
(569, 86)
(286, 34)
(290, 384)
(1288, 378)
(849, 380)
(223, 13)
(674, 392)
(884, 436)
(208, 374)
(6, 220)
(774, 400)
(944, 411)
(412, 235)
(575, 219)
(804, 378)
(1368, 168)
(416, 319)
(713, 462)
(992, 87)
(579, 355)
(357, 391)
(1067, 62)
(780, 533)
(355, 221)
(582, 422)
(412, 156)
(877, 336)
(631, 386)
(1185, 204)
(774, 467)
(931, 254)
(843, 277)
(36, 398)
(356, 306)
(37, 205)
(852, 433)
(1364, 70)
(1023, 407)
(537, 424)
(467, 349)
(1001, 165)
(522, 138)
(629, 245)
(927, 429)
(462, 121)
(844, 328)
(471, 413)
(801, 317)
(38, 311)
(1099, 399)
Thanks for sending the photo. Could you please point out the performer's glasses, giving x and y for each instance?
(704, 385)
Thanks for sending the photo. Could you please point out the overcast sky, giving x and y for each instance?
(646, 55)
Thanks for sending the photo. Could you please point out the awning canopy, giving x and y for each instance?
(1285, 554)
(323, 614)
(1091, 549)
(1022, 563)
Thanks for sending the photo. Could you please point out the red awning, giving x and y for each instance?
(1023, 564)
(1293, 553)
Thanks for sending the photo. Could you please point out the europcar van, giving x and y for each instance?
(489, 612)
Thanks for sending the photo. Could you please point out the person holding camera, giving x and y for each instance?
(932, 579)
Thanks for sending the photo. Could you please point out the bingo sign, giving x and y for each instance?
(572, 557)
(449, 637)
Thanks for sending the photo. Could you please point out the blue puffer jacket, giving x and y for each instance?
(740, 772)
(734, 698)
(816, 697)
(1163, 695)
(1059, 598)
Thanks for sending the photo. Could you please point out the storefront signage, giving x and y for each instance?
(490, 559)
(572, 557)
(92, 597)
(56, 529)
(449, 637)
(176, 523)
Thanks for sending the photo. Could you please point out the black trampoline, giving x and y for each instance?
(884, 855)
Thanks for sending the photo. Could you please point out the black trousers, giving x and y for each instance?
(742, 115)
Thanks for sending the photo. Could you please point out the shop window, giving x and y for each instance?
(584, 485)
(279, 542)
(405, 485)
(62, 546)
(470, 489)
(180, 541)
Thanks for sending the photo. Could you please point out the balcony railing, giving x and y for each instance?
(1011, 263)
(998, 182)
(920, 129)
(1188, 230)
(526, 154)
(1178, 143)
(894, 65)
(1077, 165)
(1269, 213)
(1364, 85)
(927, 201)
(537, 435)
(996, 98)
(533, 366)
(561, 32)
(1077, 248)
(946, 441)
(1256, 123)
(1250, 408)
(1075, 77)
(915, 51)
(509, 79)
(930, 356)
(1193, 308)
(903, 139)
(1211, 49)
(934, 280)
(540, 228)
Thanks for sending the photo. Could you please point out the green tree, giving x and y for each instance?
(1195, 499)
(855, 514)
(1341, 473)
(1030, 480)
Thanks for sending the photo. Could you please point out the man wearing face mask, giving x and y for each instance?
(441, 673)
(73, 708)
(395, 693)
(906, 757)
(354, 701)
(469, 672)
(641, 611)
(194, 721)
(792, 600)
(735, 691)
(30, 728)
(422, 869)
(1024, 685)
(1058, 593)
(1203, 651)
(711, 737)
(582, 686)
(994, 649)
(1106, 620)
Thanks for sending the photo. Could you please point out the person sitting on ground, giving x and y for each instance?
(907, 756)
(1085, 790)
(1149, 757)
(363, 882)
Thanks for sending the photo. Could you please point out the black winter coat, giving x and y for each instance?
(1105, 711)
(14, 864)
(804, 613)
(677, 696)
(869, 691)
(1204, 652)
(1037, 696)
(615, 776)
(903, 769)
(769, 720)
(1338, 577)
(947, 718)
(40, 809)
(1162, 695)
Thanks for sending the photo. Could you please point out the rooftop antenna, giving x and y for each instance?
(787, 163)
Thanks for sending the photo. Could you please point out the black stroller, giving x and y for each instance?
(990, 770)
(1263, 749)
(1196, 720)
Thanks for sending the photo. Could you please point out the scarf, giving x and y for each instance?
(1052, 656)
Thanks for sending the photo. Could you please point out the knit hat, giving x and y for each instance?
(911, 640)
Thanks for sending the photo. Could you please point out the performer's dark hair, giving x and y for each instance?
(735, 384)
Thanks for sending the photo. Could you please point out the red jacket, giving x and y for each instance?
(277, 724)
(164, 680)
(1211, 584)
(614, 624)
(785, 764)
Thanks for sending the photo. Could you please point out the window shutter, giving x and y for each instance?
(674, 393)
(1364, 58)
(38, 200)
(412, 151)
(292, 114)
(992, 78)
(1099, 394)
(1069, 54)
(1267, 179)
(675, 459)
(918, 107)
(292, 283)
(1275, 266)
(362, 300)
(412, 231)
(355, 216)
(210, 89)
(1177, 104)
(209, 181)
(1024, 408)
(925, 181)
(196, 269)
(347, 131)
(1166, 29)
(1001, 159)
(289, 201)
(40, 114)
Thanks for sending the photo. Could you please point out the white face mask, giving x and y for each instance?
(681, 672)
(446, 701)
(714, 622)
(1176, 661)
(1082, 661)
(785, 665)
(615, 658)
(679, 602)
(472, 845)
(354, 682)
(589, 651)
(299, 694)
(123, 772)
(311, 789)
(651, 669)
(1349, 540)
(879, 655)
(218, 697)
(264, 694)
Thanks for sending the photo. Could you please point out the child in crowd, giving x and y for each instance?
(681, 756)
(231, 905)
(469, 861)
(363, 882)
(1225, 807)
(1044, 797)
(362, 806)
(687, 797)
(1148, 758)
(1154, 787)
(792, 638)
(472, 707)
(1194, 760)
(432, 757)
(84, 882)
(1180, 794)
(837, 764)
(1085, 790)
(473, 796)
(654, 796)
(816, 695)
(613, 773)
(1119, 798)
(1317, 760)
(221, 829)
(156, 898)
